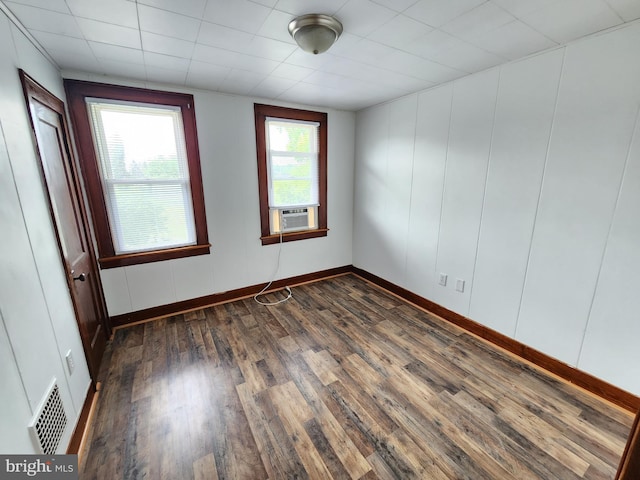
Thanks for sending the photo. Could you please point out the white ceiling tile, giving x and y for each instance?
(55, 5)
(345, 43)
(166, 23)
(241, 14)
(123, 69)
(241, 82)
(326, 79)
(352, 97)
(304, 59)
(439, 12)
(400, 31)
(397, 5)
(296, 7)
(268, 48)
(468, 58)
(347, 94)
(192, 8)
(74, 61)
(481, 19)
(272, 87)
(205, 75)
(514, 40)
(266, 3)
(291, 72)
(169, 46)
(317, 95)
(362, 50)
(62, 43)
(226, 58)
(358, 98)
(414, 66)
(166, 62)
(109, 33)
(166, 75)
(361, 17)
(100, 76)
(46, 20)
(570, 19)
(383, 77)
(348, 88)
(223, 37)
(115, 52)
(518, 8)
(309, 94)
(432, 44)
(242, 42)
(118, 12)
(628, 9)
(276, 26)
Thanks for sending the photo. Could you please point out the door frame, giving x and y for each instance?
(32, 89)
(629, 468)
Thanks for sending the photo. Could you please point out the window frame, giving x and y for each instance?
(261, 113)
(77, 91)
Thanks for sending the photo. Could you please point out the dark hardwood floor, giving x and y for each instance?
(343, 381)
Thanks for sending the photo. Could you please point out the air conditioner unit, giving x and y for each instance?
(295, 219)
(285, 220)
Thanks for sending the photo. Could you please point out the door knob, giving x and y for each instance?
(82, 277)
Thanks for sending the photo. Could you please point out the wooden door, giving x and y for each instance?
(69, 217)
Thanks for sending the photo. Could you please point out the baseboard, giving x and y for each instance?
(222, 297)
(573, 375)
(75, 444)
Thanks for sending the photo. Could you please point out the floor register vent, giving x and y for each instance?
(49, 422)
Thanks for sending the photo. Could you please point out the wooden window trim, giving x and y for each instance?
(77, 91)
(261, 114)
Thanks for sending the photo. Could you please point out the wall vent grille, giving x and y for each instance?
(50, 422)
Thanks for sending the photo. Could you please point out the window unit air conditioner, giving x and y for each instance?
(293, 219)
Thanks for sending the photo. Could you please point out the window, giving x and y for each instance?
(139, 156)
(292, 173)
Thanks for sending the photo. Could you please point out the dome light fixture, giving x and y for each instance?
(315, 33)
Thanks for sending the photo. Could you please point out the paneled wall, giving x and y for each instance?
(37, 322)
(522, 181)
(226, 136)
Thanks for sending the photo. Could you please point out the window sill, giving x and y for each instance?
(294, 236)
(153, 256)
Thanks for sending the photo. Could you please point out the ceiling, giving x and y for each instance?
(389, 48)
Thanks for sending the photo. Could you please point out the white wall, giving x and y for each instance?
(522, 181)
(226, 135)
(37, 323)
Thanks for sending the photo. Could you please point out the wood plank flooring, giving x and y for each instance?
(344, 381)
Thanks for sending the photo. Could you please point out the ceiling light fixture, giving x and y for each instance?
(315, 33)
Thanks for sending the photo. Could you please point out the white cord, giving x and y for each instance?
(271, 304)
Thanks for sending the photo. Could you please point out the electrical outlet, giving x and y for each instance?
(459, 285)
(71, 364)
(443, 279)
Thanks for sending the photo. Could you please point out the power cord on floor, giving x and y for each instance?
(290, 294)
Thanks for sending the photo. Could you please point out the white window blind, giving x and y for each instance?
(292, 163)
(144, 171)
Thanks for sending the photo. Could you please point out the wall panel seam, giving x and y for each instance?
(608, 237)
(413, 163)
(444, 178)
(537, 210)
(484, 192)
